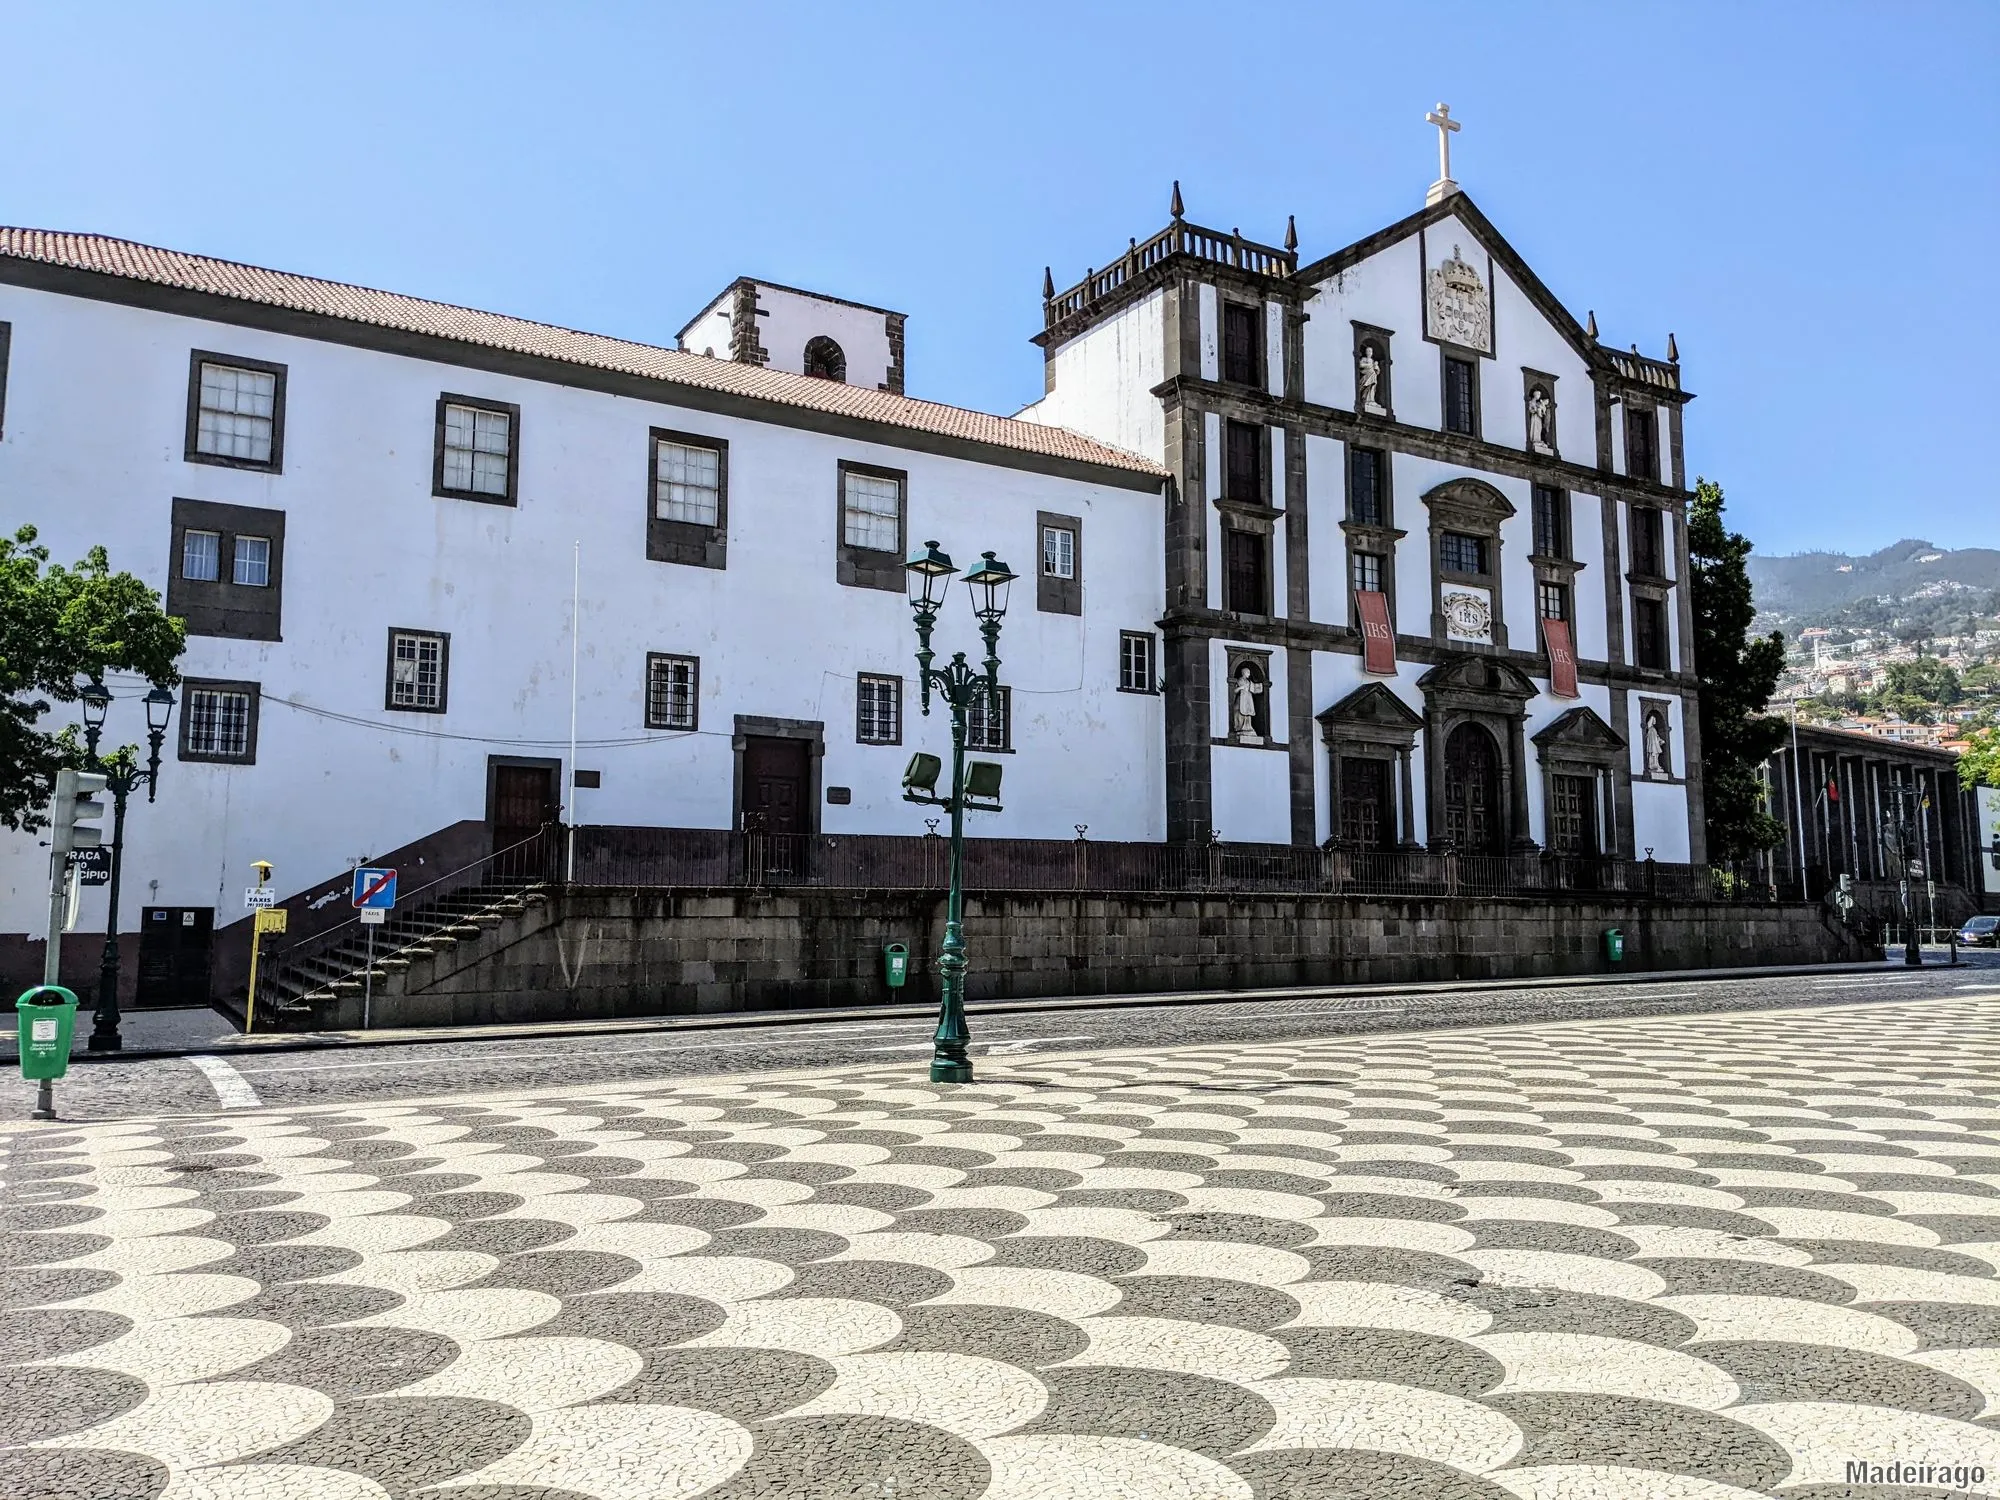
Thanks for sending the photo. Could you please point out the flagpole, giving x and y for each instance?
(575, 625)
(1799, 800)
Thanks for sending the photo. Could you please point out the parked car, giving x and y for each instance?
(1980, 932)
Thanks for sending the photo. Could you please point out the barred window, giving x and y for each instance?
(1058, 552)
(201, 556)
(871, 511)
(236, 413)
(879, 710)
(1459, 552)
(1552, 601)
(417, 663)
(1135, 662)
(477, 447)
(687, 483)
(251, 564)
(219, 722)
(1366, 571)
(672, 684)
(986, 729)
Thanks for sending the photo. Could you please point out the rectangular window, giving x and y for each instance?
(1648, 541)
(1649, 634)
(236, 412)
(1246, 571)
(871, 511)
(1058, 552)
(418, 662)
(201, 556)
(1135, 662)
(986, 729)
(1572, 814)
(1366, 502)
(219, 721)
(251, 561)
(687, 483)
(1552, 601)
(1365, 569)
(1461, 553)
(477, 445)
(1551, 521)
(1243, 463)
(879, 710)
(672, 684)
(1461, 396)
(1642, 443)
(1242, 344)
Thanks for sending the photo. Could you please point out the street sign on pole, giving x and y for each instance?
(93, 865)
(257, 897)
(373, 916)
(374, 890)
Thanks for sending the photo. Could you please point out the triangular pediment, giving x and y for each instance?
(1374, 706)
(1479, 675)
(1579, 729)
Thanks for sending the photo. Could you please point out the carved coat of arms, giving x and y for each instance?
(1459, 307)
(1468, 615)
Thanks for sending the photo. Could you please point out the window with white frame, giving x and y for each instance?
(219, 722)
(1058, 552)
(1135, 662)
(477, 451)
(201, 556)
(871, 511)
(251, 561)
(417, 668)
(236, 413)
(990, 728)
(879, 710)
(672, 685)
(687, 483)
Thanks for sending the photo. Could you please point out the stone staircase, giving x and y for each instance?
(313, 988)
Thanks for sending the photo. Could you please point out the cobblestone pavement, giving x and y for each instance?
(1684, 1258)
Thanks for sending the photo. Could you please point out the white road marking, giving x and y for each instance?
(230, 1086)
(1022, 1044)
(901, 1047)
(604, 1054)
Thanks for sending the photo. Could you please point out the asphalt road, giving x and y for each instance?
(111, 1090)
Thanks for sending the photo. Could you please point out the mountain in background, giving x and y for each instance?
(1908, 579)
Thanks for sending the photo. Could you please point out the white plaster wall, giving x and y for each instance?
(1989, 830)
(1592, 625)
(1104, 380)
(709, 333)
(1386, 291)
(1251, 786)
(1211, 335)
(1326, 543)
(1274, 348)
(92, 452)
(1660, 821)
(787, 319)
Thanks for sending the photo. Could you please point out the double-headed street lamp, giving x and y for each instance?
(122, 777)
(963, 687)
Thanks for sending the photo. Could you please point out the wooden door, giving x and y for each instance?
(1472, 819)
(524, 798)
(775, 785)
(1573, 814)
(1366, 822)
(175, 948)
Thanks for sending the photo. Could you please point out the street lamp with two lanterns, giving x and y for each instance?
(122, 776)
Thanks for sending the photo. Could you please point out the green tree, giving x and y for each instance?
(1737, 674)
(59, 625)
(1980, 764)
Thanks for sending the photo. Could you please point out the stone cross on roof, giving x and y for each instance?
(1444, 187)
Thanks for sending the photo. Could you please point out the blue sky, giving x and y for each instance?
(1805, 194)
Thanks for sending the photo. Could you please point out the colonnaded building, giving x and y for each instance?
(1386, 548)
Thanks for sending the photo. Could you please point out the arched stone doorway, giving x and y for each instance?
(1474, 819)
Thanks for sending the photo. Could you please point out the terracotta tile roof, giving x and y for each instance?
(334, 299)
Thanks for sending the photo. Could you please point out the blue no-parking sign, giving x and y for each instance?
(374, 890)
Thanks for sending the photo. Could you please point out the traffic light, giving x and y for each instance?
(74, 816)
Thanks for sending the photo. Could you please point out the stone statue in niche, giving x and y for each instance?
(1655, 741)
(1541, 421)
(1244, 694)
(1368, 382)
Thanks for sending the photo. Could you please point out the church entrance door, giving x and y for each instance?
(1472, 818)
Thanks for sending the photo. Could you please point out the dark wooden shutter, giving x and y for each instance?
(1240, 344)
(1243, 476)
(1245, 573)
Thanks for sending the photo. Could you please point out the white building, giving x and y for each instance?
(370, 509)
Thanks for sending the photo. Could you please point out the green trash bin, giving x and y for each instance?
(1614, 944)
(47, 1017)
(896, 965)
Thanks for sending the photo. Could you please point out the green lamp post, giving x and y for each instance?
(123, 777)
(977, 786)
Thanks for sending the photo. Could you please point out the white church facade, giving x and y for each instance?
(1384, 548)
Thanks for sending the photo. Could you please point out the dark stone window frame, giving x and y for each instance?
(1448, 355)
(1648, 597)
(823, 359)
(1531, 378)
(1059, 596)
(512, 411)
(1152, 643)
(6, 349)
(1378, 538)
(389, 703)
(1580, 743)
(1250, 515)
(1638, 415)
(1256, 378)
(253, 690)
(651, 721)
(1385, 389)
(688, 543)
(222, 607)
(866, 567)
(199, 357)
(1660, 539)
(1475, 508)
(861, 736)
